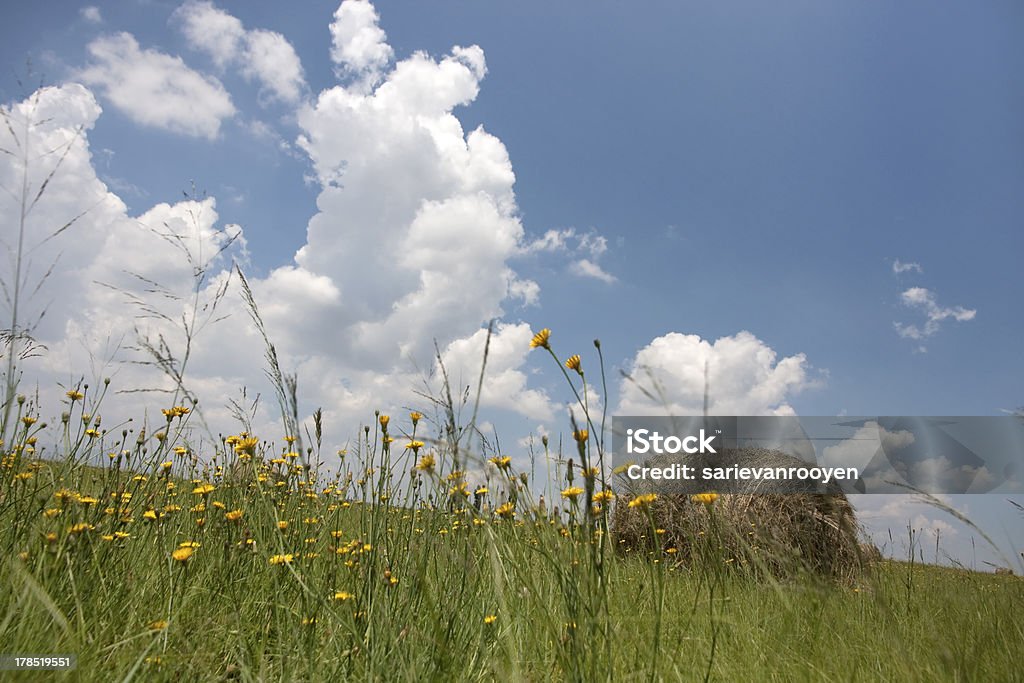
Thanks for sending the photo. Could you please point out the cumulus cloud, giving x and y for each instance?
(156, 89)
(745, 377)
(924, 300)
(110, 278)
(359, 47)
(413, 244)
(262, 56)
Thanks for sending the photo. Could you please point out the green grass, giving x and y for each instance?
(423, 579)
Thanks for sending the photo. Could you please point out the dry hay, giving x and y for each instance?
(781, 534)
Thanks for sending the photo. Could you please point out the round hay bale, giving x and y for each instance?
(781, 534)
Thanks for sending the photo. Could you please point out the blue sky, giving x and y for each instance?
(691, 168)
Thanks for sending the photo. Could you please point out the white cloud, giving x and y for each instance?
(156, 89)
(416, 231)
(744, 377)
(899, 267)
(864, 445)
(263, 56)
(505, 384)
(91, 14)
(359, 46)
(587, 268)
(924, 300)
(586, 248)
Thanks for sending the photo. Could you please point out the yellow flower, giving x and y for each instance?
(705, 498)
(92, 433)
(506, 510)
(574, 364)
(28, 420)
(603, 496)
(426, 463)
(282, 525)
(572, 493)
(233, 515)
(415, 417)
(643, 501)
(176, 411)
(290, 439)
(384, 419)
(281, 559)
(203, 489)
(166, 465)
(502, 462)
(591, 472)
(150, 515)
(342, 596)
(246, 446)
(80, 527)
(481, 491)
(490, 619)
(541, 339)
(580, 435)
(158, 625)
(75, 395)
(414, 446)
(183, 554)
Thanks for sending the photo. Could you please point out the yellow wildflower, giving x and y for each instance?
(233, 515)
(705, 498)
(572, 493)
(246, 446)
(643, 501)
(574, 364)
(502, 462)
(75, 395)
(426, 463)
(490, 619)
(506, 510)
(183, 554)
(541, 339)
(281, 559)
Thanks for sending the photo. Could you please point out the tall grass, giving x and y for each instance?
(154, 556)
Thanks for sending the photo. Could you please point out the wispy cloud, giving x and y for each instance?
(899, 267)
(924, 300)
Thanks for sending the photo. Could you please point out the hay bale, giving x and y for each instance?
(870, 552)
(781, 534)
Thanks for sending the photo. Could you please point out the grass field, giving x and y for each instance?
(150, 559)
